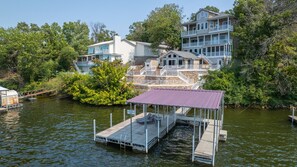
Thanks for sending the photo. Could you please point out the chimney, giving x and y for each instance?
(117, 43)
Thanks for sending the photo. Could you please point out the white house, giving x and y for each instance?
(209, 35)
(133, 52)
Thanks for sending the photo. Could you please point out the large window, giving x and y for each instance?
(164, 62)
(180, 62)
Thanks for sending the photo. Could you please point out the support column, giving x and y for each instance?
(199, 137)
(145, 118)
(213, 144)
(94, 126)
(110, 119)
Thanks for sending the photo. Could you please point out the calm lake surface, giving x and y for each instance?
(55, 132)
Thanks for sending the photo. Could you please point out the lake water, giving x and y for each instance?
(58, 132)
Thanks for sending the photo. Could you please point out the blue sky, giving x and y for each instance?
(117, 15)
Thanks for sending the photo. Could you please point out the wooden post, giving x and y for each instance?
(6, 100)
(124, 114)
(131, 129)
(110, 119)
(223, 104)
(146, 141)
(135, 109)
(94, 126)
(204, 118)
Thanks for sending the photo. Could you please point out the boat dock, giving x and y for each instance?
(292, 117)
(141, 132)
(121, 133)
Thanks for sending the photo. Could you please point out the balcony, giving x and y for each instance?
(221, 28)
(206, 43)
(222, 53)
(85, 63)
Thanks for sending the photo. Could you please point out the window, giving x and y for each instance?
(180, 62)
(198, 27)
(164, 62)
(202, 26)
(195, 50)
(205, 25)
(174, 56)
(169, 56)
(190, 50)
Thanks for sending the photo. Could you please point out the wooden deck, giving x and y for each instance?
(204, 150)
(294, 118)
(121, 133)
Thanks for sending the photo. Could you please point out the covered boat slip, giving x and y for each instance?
(171, 105)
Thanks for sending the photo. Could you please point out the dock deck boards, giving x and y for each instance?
(121, 133)
(205, 146)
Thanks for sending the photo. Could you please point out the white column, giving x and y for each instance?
(94, 126)
(228, 29)
(146, 140)
(158, 130)
(110, 119)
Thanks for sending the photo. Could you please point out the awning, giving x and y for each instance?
(204, 99)
(3, 89)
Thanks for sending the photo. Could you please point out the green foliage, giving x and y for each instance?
(163, 25)
(36, 54)
(107, 85)
(138, 32)
(265, 60)
(77, 36)
(100, 33)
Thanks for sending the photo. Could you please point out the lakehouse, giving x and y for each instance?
(209, 35)
(133, 52)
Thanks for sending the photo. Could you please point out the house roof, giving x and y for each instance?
(205, 58)
(220, 16)
(101, 43)
(3, 89)
(204, 99)
(187, 55)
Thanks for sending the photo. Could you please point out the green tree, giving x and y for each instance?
(138, 32)
(77, 35)
(65, 60)
(100, 33)
(164, 26)
(107, 85)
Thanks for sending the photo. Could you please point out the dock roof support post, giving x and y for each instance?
(135, 109)
(6, 100)
(174, 114)
(222, 118)
(146, 141)
(213, 144)
(145, 119)
(193, 139)
(218, 129)
(200, 119)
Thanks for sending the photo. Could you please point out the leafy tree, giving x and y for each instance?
(164, 26)
(100, 33)
(138, 32)
(265, 57)
(107, 85)
(66, 58)
(77, 35)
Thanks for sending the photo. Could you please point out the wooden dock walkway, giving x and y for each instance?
(121, 133)
(204, 150)
(34, 93)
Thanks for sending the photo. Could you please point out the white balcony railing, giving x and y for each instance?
(214, 42)
(221, 28)
(211, 29)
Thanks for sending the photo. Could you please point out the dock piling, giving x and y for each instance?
(158, 130)
(293, 115)
(110, 119)
(193, 146)
(94, 126)
(124, 114)
(146, 141)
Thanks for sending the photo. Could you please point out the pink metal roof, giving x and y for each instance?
(206, 99)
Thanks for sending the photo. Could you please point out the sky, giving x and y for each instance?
(117, 15)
